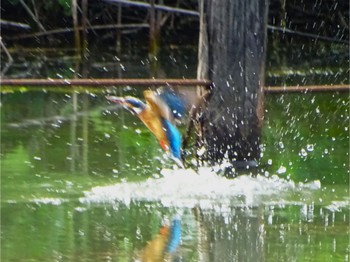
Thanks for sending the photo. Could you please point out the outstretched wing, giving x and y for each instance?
(175, 102)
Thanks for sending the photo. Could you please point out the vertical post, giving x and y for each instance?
(232, 51)
(85, 99)
(119, 30)
(84, 22)
(76, 26)
(152, 25)
(153, 31)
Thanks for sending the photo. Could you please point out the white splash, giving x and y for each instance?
(337, 206)
(187, 188)
(47, 201)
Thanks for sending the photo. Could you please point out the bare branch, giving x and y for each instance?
(32, 15)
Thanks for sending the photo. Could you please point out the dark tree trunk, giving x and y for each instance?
(232, 54)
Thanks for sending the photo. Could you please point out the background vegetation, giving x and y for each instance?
(328, 19)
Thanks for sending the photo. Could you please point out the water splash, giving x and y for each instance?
(48, 201)
(337, 206)
(206, 189)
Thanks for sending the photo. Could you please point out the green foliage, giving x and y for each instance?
(67, 6)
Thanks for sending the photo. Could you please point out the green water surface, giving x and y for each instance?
(55, 145)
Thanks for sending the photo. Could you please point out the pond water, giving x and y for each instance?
(83, 180)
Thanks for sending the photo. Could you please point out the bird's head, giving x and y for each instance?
(133, 104)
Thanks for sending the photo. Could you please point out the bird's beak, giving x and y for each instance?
(116, 99)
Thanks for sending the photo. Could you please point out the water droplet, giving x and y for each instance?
(303, 152)
(281, 170)
(138, 233)
(310, 147)
(201, 151)
(269, 162)
(281, 145)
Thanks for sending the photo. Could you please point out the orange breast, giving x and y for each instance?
(153, 123)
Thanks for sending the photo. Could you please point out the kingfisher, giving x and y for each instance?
(159, 114)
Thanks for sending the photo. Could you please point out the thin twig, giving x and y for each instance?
(342, 20)
(68, 30)
(9, 63)
(14, 24)
(32, 15)
(87, 21)
(157, 7)
(294, 32)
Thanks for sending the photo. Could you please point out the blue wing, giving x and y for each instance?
(174, 138)
(175, 102)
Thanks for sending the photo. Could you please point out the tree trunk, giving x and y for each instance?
(232, 54)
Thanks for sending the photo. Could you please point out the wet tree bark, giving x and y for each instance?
(231, 54)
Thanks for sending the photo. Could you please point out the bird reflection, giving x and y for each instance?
(164, 245)
(159, 114)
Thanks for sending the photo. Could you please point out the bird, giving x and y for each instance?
(159, 113)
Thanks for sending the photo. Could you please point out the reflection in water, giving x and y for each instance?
(79, 142)
(73, 134)
(115, 232)
(85, 135)
(164, 245)
(234, 235)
